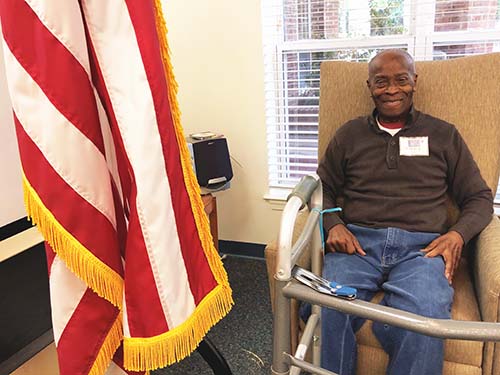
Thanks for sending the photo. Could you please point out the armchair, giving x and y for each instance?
(465, 92)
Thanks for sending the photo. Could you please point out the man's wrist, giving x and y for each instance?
(330, 220)
(458, 234)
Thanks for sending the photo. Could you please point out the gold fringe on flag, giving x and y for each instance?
(172, 346)
(108, 348)
(165, 349)
(99, 277)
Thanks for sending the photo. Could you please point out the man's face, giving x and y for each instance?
(392, 82)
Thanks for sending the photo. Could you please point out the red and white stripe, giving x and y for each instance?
(81, 320)
(132, 101)
(101, 153)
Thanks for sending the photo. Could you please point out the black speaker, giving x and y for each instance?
(211, 161)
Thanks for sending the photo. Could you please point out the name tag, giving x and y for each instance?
(414, 146)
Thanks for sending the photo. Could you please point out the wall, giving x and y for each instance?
(216, 51)
(11, 194)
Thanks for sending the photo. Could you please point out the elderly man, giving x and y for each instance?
(393, 170)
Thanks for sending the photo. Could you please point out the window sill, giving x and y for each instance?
(276, 197)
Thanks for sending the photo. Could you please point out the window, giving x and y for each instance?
(300, 34)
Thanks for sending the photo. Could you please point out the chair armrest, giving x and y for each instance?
(486, 270)
(270, 253)
(270, 256)
(487, 283)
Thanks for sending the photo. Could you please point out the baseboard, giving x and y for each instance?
(247, 249)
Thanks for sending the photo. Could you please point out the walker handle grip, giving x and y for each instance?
(304, 189)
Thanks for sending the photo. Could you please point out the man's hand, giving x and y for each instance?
(449, 246)
(342, 240)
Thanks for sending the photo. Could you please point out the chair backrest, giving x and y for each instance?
(463, 91)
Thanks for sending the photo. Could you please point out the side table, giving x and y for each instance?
(210, 205)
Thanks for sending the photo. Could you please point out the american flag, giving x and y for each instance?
(135, 280)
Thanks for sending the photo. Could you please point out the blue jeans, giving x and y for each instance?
(411, 282)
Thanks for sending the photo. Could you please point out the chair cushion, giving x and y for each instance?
(465, 307)
(373, 361)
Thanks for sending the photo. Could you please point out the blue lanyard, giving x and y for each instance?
(321, 212)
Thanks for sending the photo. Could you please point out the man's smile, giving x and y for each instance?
(392, 103)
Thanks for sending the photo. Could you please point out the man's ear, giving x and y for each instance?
(415, 81)
(369, 87)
